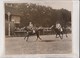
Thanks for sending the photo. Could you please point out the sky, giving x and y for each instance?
(55, 4)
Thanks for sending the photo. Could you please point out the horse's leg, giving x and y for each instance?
(38, 37)
(66, 33)
(56, 35)
(26, 35)
(60, 36)
(27, 38)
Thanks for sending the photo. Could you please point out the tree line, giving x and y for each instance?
(39, 15)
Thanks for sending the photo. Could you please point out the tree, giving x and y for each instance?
(39, 15)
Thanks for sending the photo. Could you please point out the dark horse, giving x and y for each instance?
(59, 32)
(29, 33)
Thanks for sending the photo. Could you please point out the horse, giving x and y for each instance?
(65, 31)
(32, 32)
(58, 31)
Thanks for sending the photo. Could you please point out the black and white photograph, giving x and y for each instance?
(38, 27)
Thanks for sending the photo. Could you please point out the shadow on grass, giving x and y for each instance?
(47, 40)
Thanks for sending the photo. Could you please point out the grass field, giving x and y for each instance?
(48, 45)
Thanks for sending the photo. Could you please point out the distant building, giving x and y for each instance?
(14, 21)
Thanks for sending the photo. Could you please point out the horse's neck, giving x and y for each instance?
(51, 27)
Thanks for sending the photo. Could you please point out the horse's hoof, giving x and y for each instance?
(40, 39)
(61, 38)
(66, 36)
(26, 40)
(57, 37)
(36, 39)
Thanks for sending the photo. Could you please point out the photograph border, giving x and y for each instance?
(75, 35)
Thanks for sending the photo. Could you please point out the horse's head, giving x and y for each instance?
(52, 27)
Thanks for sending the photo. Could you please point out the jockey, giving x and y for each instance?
(33, 30)
(58, 26)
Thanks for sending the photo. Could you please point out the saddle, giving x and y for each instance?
(60, 29)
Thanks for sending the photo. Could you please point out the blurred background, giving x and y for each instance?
(20, 15)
